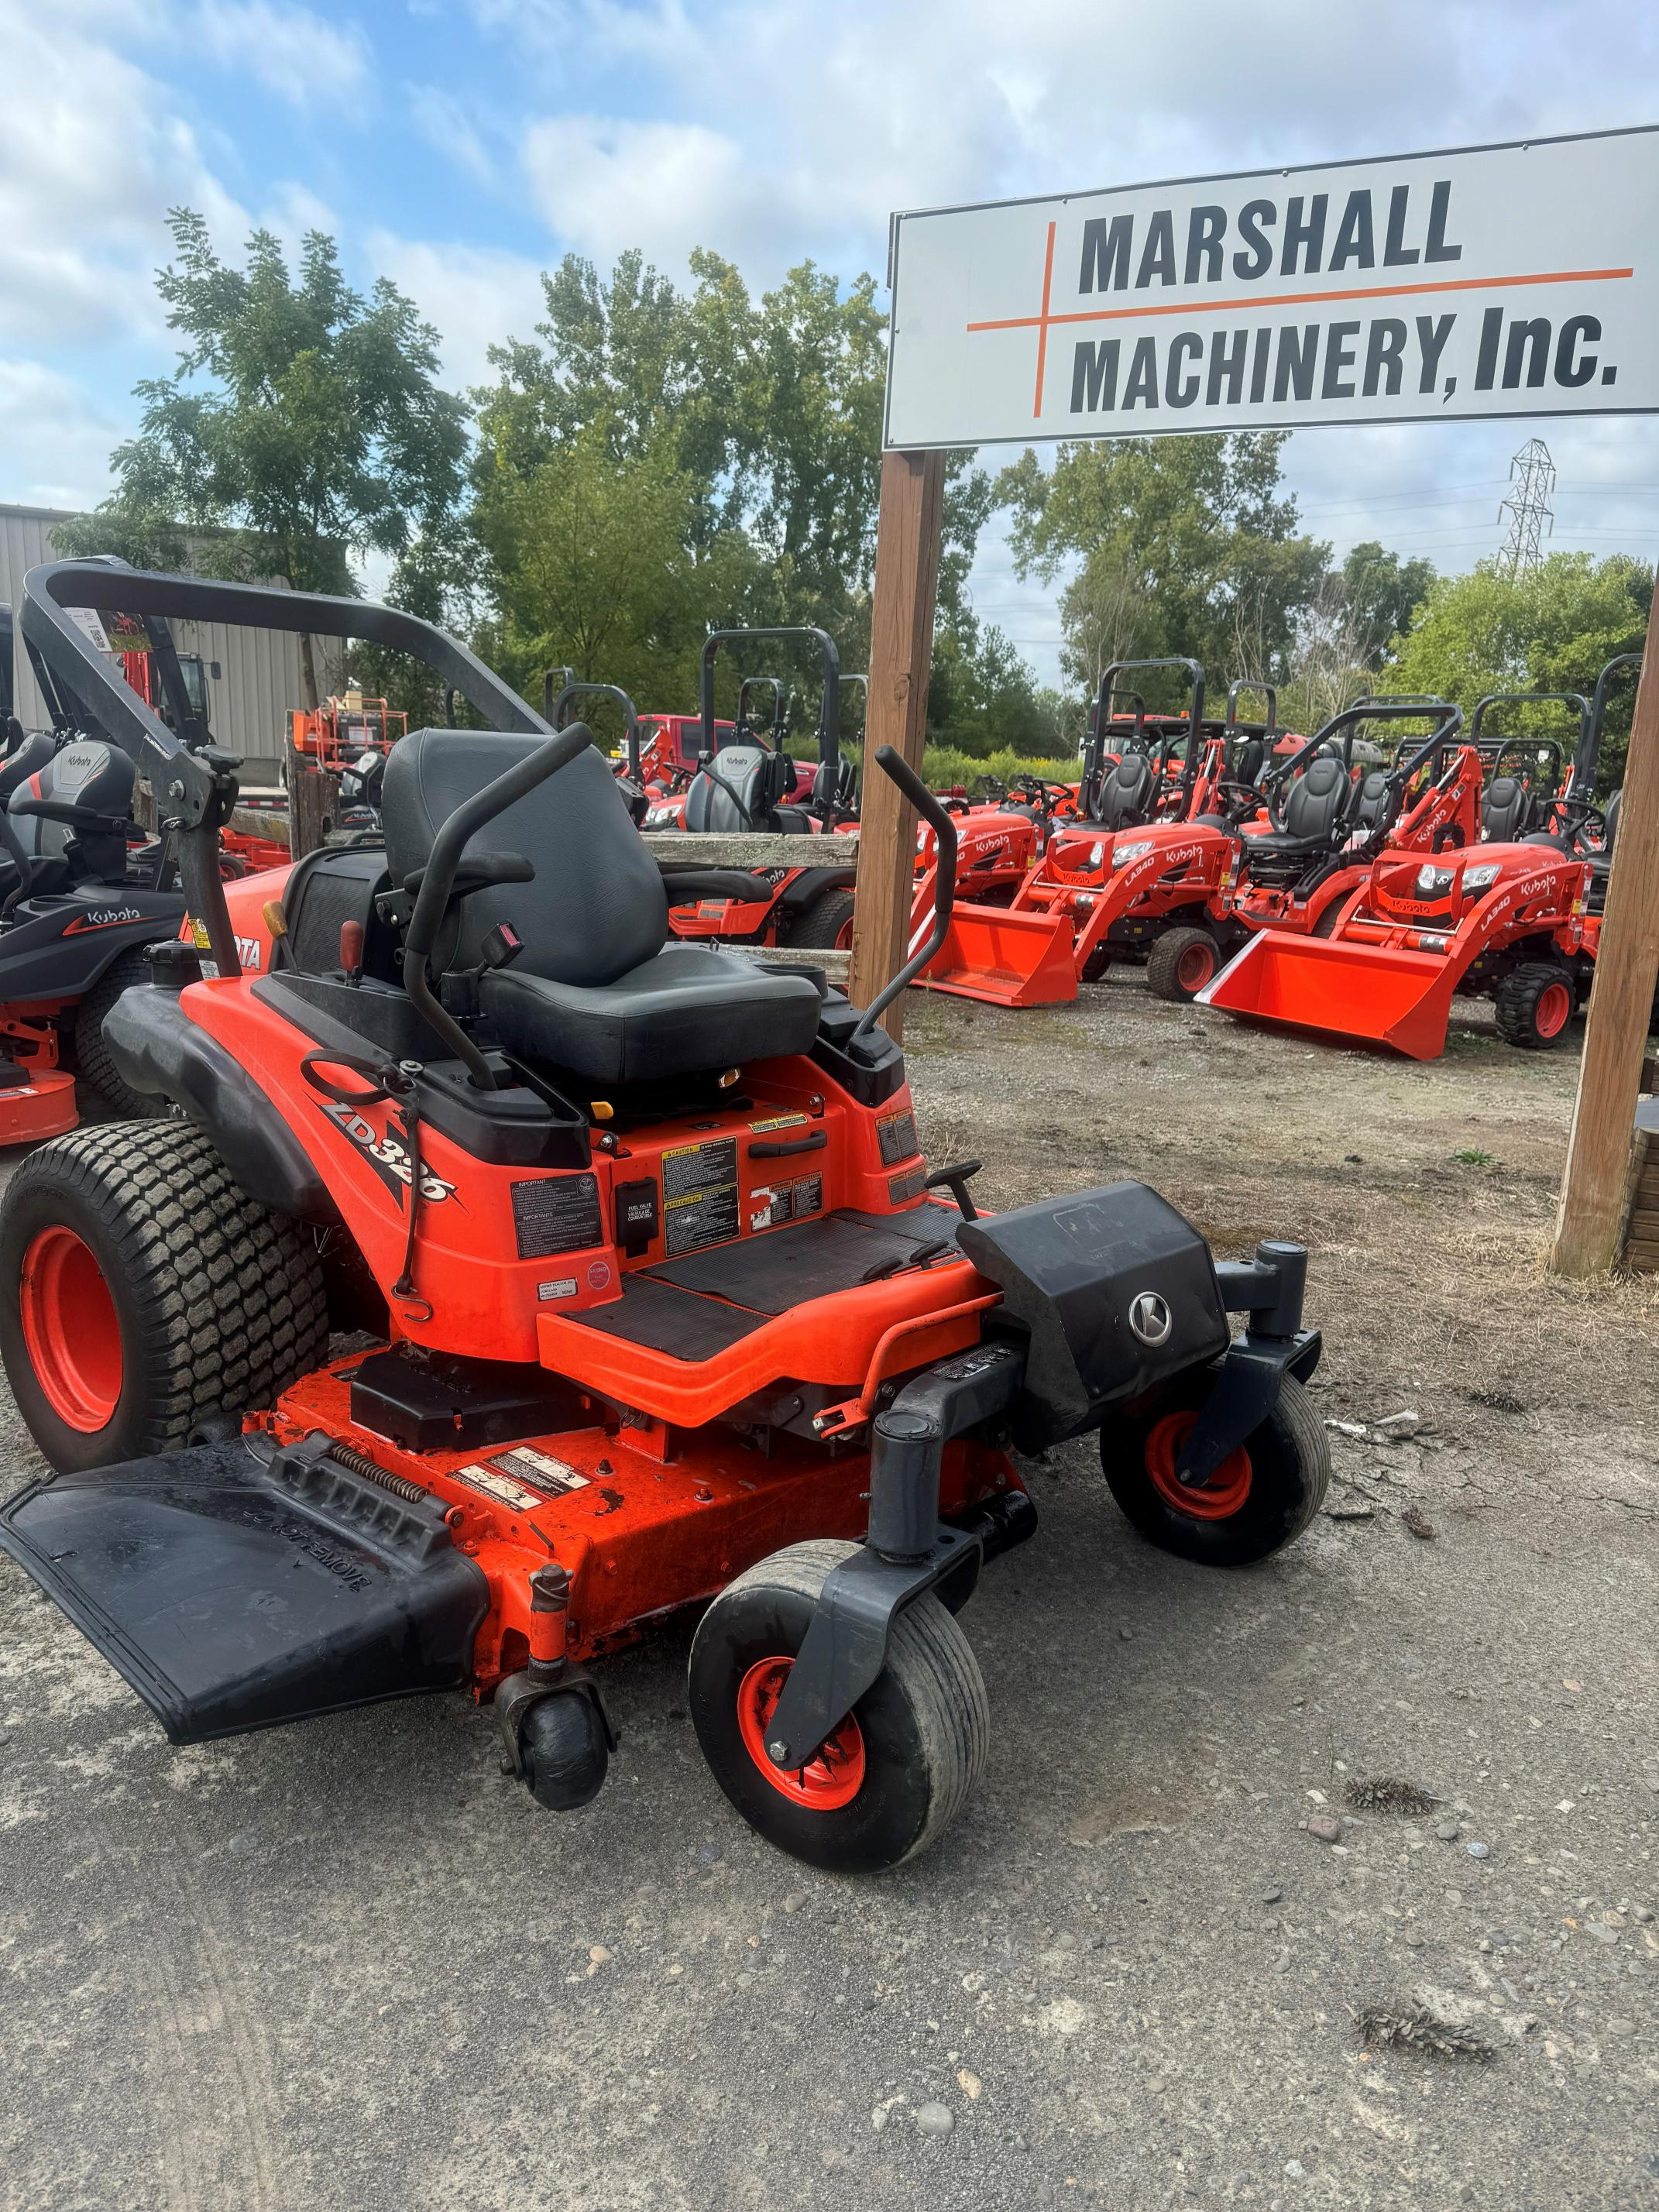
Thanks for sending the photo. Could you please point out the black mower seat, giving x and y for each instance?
(597, 990)
(1315, 807)
(1506, 812)
(1126, 791)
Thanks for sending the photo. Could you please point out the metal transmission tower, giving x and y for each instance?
(1532, 474)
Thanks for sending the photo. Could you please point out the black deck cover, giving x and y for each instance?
(233, 1595)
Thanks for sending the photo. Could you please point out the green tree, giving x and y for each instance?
(1553, 630)
(983, 699)
(1176, 545)
(1381, 593)
(303, 427)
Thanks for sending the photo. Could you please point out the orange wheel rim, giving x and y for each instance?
(1555, 1010)
(844, 936)
(70, 1330)
(833, 1778)
(1221, 1497)
(1195, 967)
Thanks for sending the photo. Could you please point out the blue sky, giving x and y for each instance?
(461, 146)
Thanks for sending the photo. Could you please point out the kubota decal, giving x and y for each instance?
(388, 1159)
(102, 917)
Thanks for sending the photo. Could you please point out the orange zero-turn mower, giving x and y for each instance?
(1118, 880)
(1514, 917)
(669, 1311)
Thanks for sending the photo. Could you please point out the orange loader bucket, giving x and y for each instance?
(1008, 957)
(1371, 993)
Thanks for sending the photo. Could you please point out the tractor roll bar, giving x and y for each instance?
(898, 771)
(630, 720)
(1172, 738)
(1575, 700)
(828, 705)
(565, 678)
(1449, 719)
(780, 713)
(195, 786)
(1586, 764)
(1269, 692)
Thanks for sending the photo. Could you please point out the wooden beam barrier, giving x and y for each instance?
(908, 527)
(708, 849)
(1589, 1222)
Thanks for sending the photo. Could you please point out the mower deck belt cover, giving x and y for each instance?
(235, 1595)
(1118, 1290)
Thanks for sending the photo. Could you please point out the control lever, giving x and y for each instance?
(956, 1180)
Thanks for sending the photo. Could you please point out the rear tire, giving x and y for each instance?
(1534, 1005)
(826, 924)
(899, 1767)
(92, 1054)
(1259, 1500)
(192, 1304)
(1181, 964)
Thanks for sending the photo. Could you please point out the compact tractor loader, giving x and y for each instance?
(666, 1307)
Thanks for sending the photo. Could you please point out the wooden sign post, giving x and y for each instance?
(1594, 1188)
(907, 526)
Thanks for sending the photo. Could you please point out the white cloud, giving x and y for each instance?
(603, 184)
(94, 156)
(443, 121)
(54, 447)
(477, 296)
(299, 55)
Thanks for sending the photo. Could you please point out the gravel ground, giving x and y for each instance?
(349, 1965)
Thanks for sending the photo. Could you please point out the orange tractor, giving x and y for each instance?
(1514, 917)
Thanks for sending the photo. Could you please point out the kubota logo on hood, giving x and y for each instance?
(102, 917)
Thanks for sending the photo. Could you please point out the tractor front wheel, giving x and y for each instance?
(826, 924)
(897, 1771)
(145, 1303)
(1181, 964)
(1258, 1500)
(1533, 1004)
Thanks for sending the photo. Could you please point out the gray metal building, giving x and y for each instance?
(253, 675)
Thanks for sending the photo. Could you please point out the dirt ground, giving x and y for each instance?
(349, 1965)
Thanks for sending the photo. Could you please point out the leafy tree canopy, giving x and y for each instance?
(1553, 630)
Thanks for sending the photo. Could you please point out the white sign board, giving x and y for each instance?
(84, 618)
(1502, 280)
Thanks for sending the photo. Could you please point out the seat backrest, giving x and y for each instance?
(1373, 799)
(1318, 800)
(1506, 811)
(736, 791)
(1611, 817)
(28, 758)
(1126, 791)
(90, 772)
(597, 907)
(1248, 757)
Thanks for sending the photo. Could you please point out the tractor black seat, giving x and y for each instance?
(1506, 812)
(1369, 811)
(1600, 866)
(1315, 807)
(27, 759)
(598, 990)
(740, 790)
(89, 773)
(1126, 791)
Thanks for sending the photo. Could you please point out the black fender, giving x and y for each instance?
(157, 1049)
(804, 888)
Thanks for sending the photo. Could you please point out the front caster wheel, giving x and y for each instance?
(565, 1750)
(1181, 964)
(1257, 1501)
(898, 1769)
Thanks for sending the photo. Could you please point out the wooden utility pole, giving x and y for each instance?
(1595, 1187)
(908, 527)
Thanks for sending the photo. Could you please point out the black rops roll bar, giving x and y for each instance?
(1574, 699)
(898, 771)
(1585, 767)
(1269, 692)
(1172, 738)
(574, 690)
(863, 683)
(740, 728)
(195, 785)
(828, 705)
(562, 678)
(1449, 720)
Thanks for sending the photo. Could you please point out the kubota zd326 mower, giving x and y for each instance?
(672, 1309)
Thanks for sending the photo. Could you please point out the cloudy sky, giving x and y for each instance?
(460, 146)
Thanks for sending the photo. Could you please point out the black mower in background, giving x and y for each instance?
(82, 892)
(669, 1309)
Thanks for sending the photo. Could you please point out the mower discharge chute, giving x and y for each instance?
(666, 1308)
(1433, 916)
